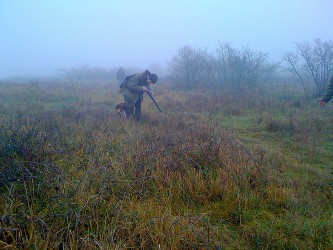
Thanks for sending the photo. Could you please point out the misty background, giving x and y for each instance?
(38, 37)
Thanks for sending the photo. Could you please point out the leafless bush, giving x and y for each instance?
(191, 68)
(230, 68)
(237, 69)
(311, 61)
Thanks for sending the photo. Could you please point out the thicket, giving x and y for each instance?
(229, 68)
(310, 65)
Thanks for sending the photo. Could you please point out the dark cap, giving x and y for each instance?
(153, 78)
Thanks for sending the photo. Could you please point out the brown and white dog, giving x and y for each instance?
(120, 109)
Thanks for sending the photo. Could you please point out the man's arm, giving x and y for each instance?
(328, 95)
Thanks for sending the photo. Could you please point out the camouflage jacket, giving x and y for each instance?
(329, 92)
(132, 86)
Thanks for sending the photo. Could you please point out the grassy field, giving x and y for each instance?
(214, 170)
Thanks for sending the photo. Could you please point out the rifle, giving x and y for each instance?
(151, 97)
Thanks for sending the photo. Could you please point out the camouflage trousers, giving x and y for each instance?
(133, 107)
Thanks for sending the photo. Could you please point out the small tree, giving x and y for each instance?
(190, 67)
(312, 61)
(241, 68)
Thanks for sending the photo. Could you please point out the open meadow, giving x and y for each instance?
(213, 170)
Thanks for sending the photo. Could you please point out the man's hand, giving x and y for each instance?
(148, 91)
(322, 102)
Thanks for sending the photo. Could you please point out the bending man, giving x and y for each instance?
(132, 88)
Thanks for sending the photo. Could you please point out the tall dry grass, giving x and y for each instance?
(75, 176)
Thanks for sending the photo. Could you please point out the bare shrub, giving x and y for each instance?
(191, 68)
(230, 68)
(238, 69)
(311, 61)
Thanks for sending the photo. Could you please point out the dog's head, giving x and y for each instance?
(120, 106)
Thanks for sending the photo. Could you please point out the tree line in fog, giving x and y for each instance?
(310, 65)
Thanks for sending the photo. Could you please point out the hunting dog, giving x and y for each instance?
(120, 109)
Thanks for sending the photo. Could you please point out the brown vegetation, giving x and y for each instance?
(78, 177)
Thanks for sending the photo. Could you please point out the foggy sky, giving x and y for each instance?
(39, 36)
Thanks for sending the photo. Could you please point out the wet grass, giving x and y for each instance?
(212, 171)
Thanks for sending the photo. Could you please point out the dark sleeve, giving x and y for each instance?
(329, 92)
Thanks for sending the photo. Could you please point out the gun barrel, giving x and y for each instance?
(151, 97)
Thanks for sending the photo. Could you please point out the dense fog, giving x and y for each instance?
(38, 37)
